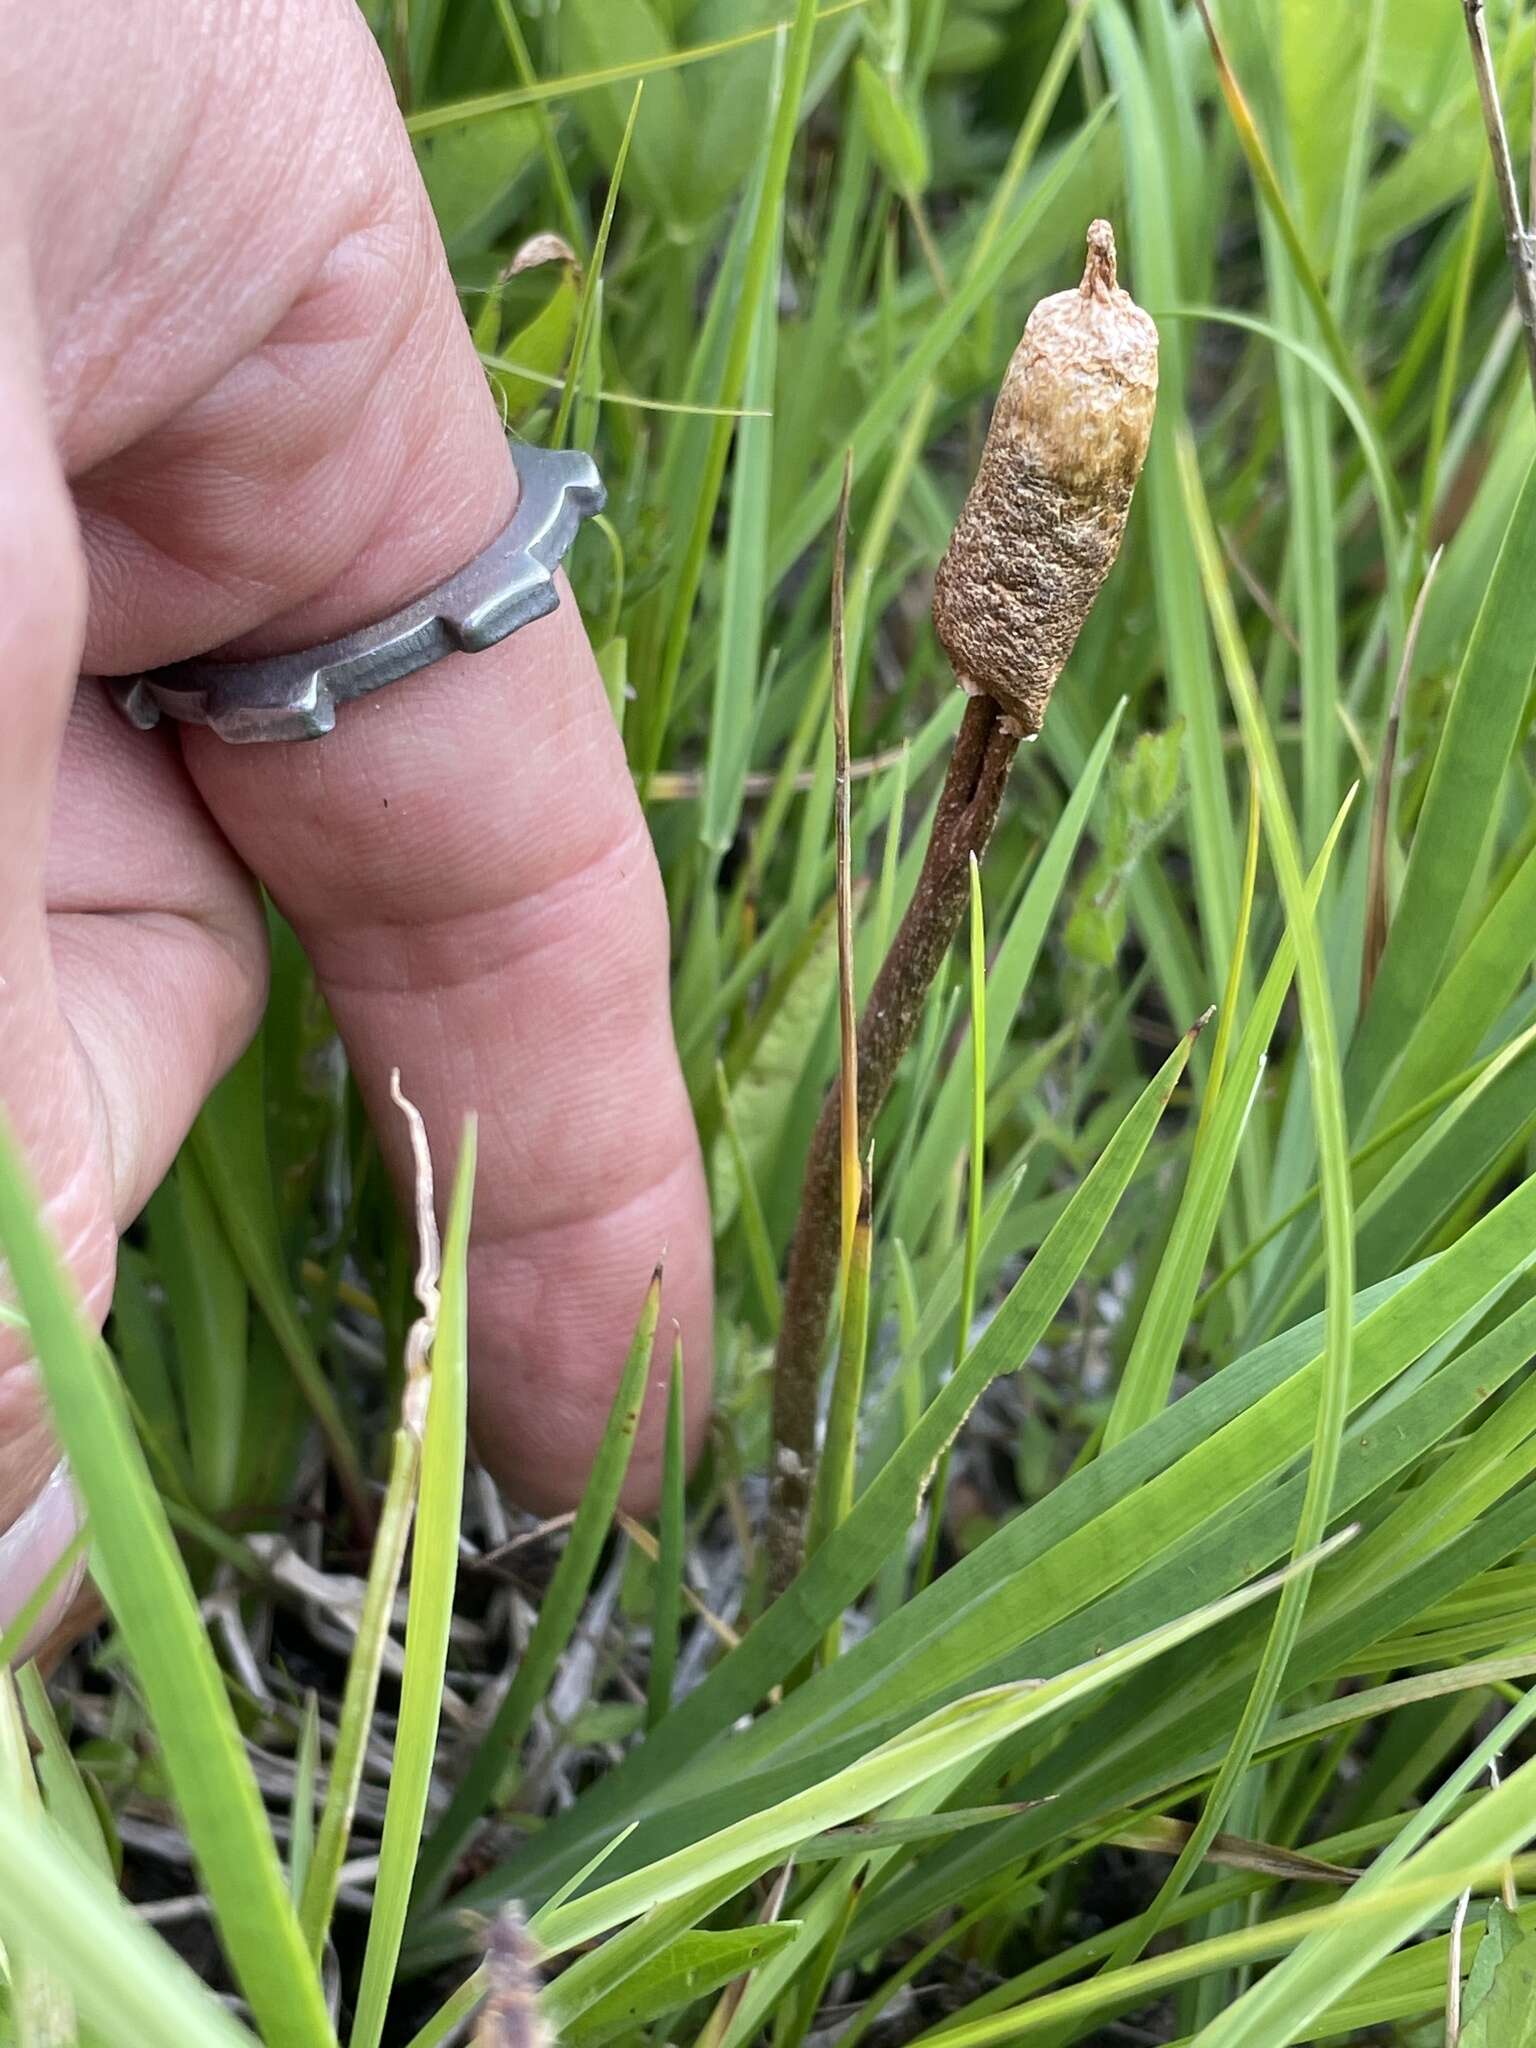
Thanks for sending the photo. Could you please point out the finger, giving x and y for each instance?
(464, 858)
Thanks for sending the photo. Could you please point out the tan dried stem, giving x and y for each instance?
(422, 1334)
(967, 812)
(1519, 243)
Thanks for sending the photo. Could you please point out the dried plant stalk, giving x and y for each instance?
(1037, 536)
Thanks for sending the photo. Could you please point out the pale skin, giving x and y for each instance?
(239, 409)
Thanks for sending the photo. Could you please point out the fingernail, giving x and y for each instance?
(30, 1548)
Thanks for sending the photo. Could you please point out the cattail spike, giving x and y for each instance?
(1042, 525)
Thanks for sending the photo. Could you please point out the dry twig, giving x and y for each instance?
(1518, 240)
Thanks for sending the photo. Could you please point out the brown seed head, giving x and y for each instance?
(1042, 524)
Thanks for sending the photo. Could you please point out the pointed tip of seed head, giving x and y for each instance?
(1099, 272)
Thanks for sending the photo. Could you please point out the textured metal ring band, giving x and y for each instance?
(294, 696)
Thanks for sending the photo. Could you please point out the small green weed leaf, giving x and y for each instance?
(1143, 798)
(472, 174)
(895, 127)
(541, 345)
(596, 36)
(786, 1034)
(689, 1968)
(1502, 1933)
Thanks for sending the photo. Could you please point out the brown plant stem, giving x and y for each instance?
(1518, 241)
(967, 811)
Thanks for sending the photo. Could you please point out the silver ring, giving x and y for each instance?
(294, 696)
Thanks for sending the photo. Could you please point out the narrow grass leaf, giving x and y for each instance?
(559, 1612)
(671, 1558)
(229, 1143)
(485, 104)
(1154, 1355)
(146, 1587)
(355, 1720)
(1338, 1222)
(592, 279)
(127, 1985)
(975, 1175)
(1460, 805)
(1282, 2004)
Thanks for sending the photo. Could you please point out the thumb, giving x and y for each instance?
(41, 624)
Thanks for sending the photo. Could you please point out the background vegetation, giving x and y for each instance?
(1040, 1758)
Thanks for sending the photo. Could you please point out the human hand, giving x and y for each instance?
(239, 409)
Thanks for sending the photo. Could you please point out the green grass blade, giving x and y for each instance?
(146, 1587)
(40, 2010)
(592, 281)
(889, 408)
(952, 1736)
(839, 1459)
(559, 1612)
(667, 1602)
(1324, 1071)
(1484, 979)
(1460, 806)
(1007, 984)
(689, 1968)
(1329, 1961)
(975, 1174)
(209, 1311)
(434, 1572)
(229, 1143)
(484, 104)
(744, 589)
(318, 1893)
(129, 1987)
(1159, 266)
(764, 240)
(301, 1808)
(65, 1795)
(1154, 1355)
(754, 1224)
